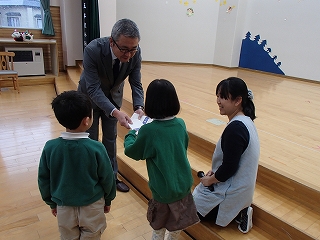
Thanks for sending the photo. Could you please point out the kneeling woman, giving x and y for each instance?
(226, 191)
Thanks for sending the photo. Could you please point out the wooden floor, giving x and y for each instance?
(288, 125)
(26, 123)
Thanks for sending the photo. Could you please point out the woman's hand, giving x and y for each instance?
(210, 173)
(54, 212)
(209, 179)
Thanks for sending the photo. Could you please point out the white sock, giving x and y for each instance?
(173, 235)
(158, 234)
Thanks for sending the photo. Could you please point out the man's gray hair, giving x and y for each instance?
(125, 27)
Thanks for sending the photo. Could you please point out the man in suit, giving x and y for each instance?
(107, 62)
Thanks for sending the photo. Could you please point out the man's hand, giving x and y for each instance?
(107, 209)
(140, 112)
(123, 118)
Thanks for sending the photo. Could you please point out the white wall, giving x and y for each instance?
(168, 34)
(292, 31)
(55, 2)
(211, 35)
(229, 32)
(71, 27)
(107, 16)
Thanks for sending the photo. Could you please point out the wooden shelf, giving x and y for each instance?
(8, 42)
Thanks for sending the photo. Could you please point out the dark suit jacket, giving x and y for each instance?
(97, 79)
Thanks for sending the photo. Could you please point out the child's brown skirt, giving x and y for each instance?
(173, 216)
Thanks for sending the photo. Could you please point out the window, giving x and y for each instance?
(38, 20)
(13, 19)
(21, 14)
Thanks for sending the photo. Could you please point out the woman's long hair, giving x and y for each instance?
(235, 87)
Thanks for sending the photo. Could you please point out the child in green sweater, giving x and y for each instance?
(163, 144)
(75, 175)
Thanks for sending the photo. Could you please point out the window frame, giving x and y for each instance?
(29, 15)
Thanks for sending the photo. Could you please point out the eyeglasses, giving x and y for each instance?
(132, 51)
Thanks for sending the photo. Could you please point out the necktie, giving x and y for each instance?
(116, 68)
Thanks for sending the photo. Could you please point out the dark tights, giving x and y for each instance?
(211, 216)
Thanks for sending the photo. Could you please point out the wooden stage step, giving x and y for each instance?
(67, 81)
(135, 172)
(275, 209)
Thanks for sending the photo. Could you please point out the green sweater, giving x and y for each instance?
(75, 173)
(163, 143)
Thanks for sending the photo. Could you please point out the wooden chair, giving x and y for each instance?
(7, 71)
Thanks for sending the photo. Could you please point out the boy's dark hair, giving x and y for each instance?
(236, 87)
(71, 107)
(161, 99)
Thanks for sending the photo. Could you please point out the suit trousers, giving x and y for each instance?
(109, 135)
